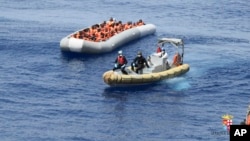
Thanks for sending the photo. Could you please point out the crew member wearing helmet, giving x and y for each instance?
(139, 62)
(120, 62)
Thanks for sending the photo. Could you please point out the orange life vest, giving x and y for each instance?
(120, 60)
(176, 60)
(110, 23)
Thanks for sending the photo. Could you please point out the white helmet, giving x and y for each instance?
(120, 52)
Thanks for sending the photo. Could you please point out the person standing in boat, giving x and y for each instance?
(120, 62)
(139, 62)
(164, 55)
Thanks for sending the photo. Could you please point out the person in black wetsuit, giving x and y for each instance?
(139, 62)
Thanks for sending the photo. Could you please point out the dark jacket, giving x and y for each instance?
(140, 61)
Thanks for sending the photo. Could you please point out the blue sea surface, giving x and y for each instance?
(48, 95)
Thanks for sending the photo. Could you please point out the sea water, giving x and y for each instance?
(49, 95)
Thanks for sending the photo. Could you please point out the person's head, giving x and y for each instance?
(120, 53)
(139, 54)
(163, 51)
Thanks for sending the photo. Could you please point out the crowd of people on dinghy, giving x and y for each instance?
(105, 30)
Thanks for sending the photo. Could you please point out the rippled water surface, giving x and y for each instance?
(49, 95)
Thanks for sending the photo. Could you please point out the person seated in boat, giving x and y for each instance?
(92, 37)
(139, 62)
(102, 38)
(120, 26)
(128, 25)
(81, 32)
(98, 35)
(92, 30)
(106, 27)
(106, 33)
(176, 60)
(86, 32)
(112, 30)
(140, 22)
(104, 23)
(111, 21)
(120, 62)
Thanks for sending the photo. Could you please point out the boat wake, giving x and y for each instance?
(177, 84)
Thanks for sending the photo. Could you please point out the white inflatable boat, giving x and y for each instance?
(71, 44)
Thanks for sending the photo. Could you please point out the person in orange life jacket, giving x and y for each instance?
(120, 62)
(139, 62)
(177, 60)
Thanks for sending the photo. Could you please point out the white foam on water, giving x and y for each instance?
(178, 83)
